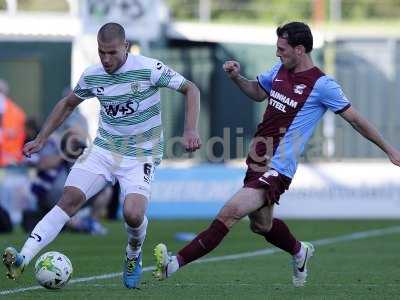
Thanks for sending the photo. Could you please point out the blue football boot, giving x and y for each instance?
(132, 271)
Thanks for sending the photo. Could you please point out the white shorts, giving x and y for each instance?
(96, 166)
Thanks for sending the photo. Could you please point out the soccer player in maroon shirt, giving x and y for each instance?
(298, 95)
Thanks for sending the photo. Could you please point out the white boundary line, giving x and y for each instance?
(328, 241)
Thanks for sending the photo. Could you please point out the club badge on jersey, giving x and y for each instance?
(135, 87)
(299, 88)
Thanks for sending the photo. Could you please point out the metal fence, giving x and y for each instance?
(228, 118)
(369, 72)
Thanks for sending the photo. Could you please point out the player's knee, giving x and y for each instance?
(229, 215)
(134, 218)
(260, 228)
(71, 200)
(134, 209)
(254, 227)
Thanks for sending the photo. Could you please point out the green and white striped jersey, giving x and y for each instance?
(130, 116)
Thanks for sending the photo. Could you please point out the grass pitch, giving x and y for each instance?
(366, 267)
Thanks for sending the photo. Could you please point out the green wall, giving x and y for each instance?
(37, 73)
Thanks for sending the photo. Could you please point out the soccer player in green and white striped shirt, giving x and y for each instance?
(127, 147)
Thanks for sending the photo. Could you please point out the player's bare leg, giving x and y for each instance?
(241, 204)
(276, 232)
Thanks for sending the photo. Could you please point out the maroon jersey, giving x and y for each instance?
(296, 103)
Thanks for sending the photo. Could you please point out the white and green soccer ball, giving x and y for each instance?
(53, 270)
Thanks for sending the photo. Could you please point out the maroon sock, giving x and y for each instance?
(203, 243)
(281, 237)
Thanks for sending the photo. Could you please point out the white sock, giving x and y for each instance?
(44, 232)
(301, 252)
(173, 265)
(136, 238)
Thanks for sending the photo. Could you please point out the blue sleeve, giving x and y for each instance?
(331, 95)
(265, 79)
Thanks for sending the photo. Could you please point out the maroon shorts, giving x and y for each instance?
(273, 182)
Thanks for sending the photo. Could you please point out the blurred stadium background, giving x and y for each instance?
(46, 44)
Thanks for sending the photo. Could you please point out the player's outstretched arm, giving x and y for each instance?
(366, 129)
(191, 137)
(250, 87)
(60, 112)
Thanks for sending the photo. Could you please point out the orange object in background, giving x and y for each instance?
(13, 134)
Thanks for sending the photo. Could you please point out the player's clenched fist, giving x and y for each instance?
(232, 68)
(191, 140)
(394, 156)
(32, 147)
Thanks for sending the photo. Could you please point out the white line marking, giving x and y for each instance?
(328, 241)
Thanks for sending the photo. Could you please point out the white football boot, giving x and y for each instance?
(300, 264)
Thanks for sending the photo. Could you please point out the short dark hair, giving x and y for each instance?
(111, 31)
(296, 33)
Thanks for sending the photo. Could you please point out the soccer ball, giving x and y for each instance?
(53, 270)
